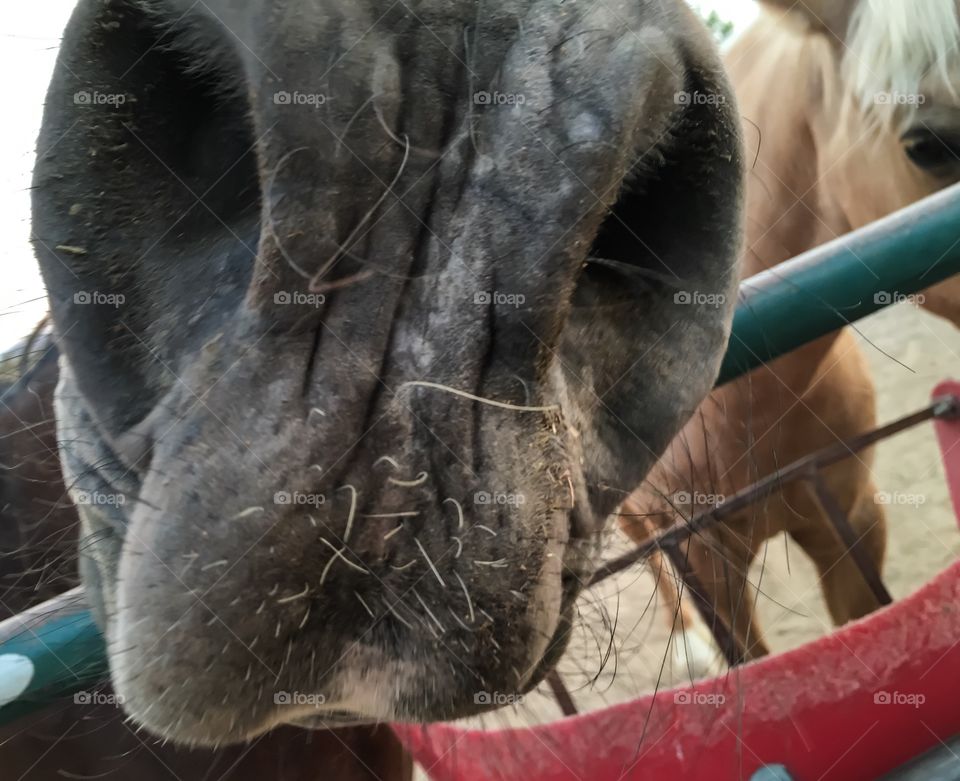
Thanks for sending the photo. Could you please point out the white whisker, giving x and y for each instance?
(337, 554)
(392, 532)
(457, 618)
(429, 611)
(295, 597)
(467, 595)
(429, 562)
(472, 397)
(397, 616)
(459, 510)
(365, 605)
(353, 509)
(420, 479)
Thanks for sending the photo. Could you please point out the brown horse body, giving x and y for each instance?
(813, 146)
(38, 523)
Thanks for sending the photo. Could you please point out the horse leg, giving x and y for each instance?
(692, 646)
(845, 591)
(720, 558)
(839, 404)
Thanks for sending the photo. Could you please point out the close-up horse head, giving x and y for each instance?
(856, 113)
(370, 315)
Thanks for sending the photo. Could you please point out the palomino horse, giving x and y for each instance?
(851, 113)
(364, 307)
(38, 556)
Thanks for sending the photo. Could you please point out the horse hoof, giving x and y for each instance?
(695, 655)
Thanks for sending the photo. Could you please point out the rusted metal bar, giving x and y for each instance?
(806, 468)
(561, 694)
(945, 407)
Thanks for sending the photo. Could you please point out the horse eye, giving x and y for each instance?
(929, 151)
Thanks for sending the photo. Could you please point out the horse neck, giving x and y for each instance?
(777, 74)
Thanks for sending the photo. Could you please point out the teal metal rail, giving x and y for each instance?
(841, 282)
(50, 651)
(55, 649)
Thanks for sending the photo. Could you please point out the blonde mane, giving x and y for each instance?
(896, 49)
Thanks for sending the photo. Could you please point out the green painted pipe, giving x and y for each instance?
(50, 651)
(55, 649)
(838, 283)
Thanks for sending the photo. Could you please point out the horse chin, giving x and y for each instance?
(390, 673)
(336, 717)
(213, 728)
(332, 720)
(386, 674)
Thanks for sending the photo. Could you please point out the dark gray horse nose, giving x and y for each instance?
(359, 244)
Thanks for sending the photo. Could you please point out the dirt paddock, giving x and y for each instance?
(910, 351)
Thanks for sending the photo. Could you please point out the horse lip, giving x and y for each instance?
(334, 718)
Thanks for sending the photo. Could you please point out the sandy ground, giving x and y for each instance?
(909, 351)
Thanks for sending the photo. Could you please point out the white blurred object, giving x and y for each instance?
(740, 12)
(695, 653)
(31, 36)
